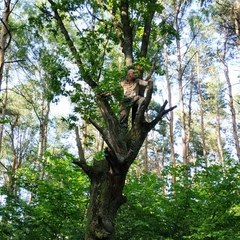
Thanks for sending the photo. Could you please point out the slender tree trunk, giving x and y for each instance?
(4, 106)
(171, 131)
(182, 110)
(11, 174)
(189, 119)
(4, 36)
(146, 144)
(43, 132)
(156, 160)
(180, 89)
(12, 184)
(231, 105)
(43, 125)
(3, 46)
(200, 100)
(219, 137)
(145, 163)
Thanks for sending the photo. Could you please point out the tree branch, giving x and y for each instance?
(113, 141)
(161, 113)
(3, 166)
(13, 61)
(152, 69)
(98, 127)
(82, 161)
(147, 30)
(127, 46)
(86, 76)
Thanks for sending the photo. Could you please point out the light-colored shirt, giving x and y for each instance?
(131, 88)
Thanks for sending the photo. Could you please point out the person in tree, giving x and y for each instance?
(132, 98)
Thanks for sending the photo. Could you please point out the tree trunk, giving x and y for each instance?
(3, 46)
(4, 36)
(189, 119)
(180, 89)
(200, 99)
(11, 181)
(127, 40)
(171, 132)
(106, 198)
(156, 155)
(182, 110)
(43, 132)
(219, 137)
(43, 126)
(145, 163)
(231, 105)
(108, 176)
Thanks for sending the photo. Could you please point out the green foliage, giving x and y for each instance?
(4, 120)
(56, 74)
(49, 208)
(200, 205)
(139, 217)
(99, 156)
(51, 203)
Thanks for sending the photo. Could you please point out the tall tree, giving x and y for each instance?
(228, 24)
(214, 108)
(231, 105)
(171, 119)
(5, 39)
(179, 7)
(123, 26)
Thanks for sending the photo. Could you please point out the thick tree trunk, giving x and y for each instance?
(108, 176)
(106, 198)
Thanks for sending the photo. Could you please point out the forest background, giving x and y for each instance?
(184, 182)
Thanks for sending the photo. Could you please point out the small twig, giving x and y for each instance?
(3, 166)
(82, 163)
(13, 61)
